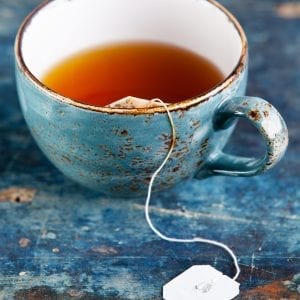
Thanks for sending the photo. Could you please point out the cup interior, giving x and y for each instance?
(60, 28)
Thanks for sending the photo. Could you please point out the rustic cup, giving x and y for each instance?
(115, 151)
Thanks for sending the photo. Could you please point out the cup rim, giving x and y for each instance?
(182, 105)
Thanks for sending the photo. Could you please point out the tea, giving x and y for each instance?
(145, 70)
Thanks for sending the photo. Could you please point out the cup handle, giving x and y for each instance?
(269, 123)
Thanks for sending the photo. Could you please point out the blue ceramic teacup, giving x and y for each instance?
(115, 151)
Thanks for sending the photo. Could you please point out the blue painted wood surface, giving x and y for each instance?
(71, 243)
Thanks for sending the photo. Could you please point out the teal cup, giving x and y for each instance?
(116, 150)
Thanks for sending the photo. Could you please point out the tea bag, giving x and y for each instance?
(198, 282)
(134, 102)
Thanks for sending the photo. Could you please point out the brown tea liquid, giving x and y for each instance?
(146, 70)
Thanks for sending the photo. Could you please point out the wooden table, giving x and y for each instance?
(61, 241)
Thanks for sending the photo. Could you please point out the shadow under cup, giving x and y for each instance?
(115, 151)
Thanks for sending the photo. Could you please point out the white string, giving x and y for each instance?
(156, 231)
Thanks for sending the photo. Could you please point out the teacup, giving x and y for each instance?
(115, 150)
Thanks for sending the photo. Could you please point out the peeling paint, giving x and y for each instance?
(105, 250)
(274, 290)
(16, 194)
(288, 10)
(24, 242)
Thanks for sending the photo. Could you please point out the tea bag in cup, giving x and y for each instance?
(198, 281)
(134, 102)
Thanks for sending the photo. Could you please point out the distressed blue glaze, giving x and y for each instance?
(116, 154)
(106, 250)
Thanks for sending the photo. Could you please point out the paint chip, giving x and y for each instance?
(24, 242)
(105, 250)
(85, 228)
(48, 235)
(19, 195)
(272, 290)
(22, 273)
(55, 250)
(289, 10)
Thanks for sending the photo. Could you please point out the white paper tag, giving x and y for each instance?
(201, 282)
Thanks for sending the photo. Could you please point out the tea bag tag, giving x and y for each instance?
(201, 282)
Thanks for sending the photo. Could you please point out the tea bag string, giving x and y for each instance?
(147, 205)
